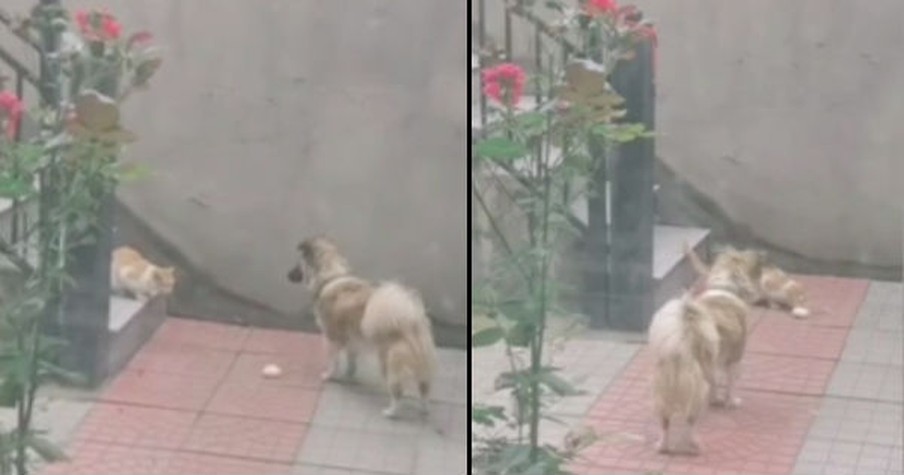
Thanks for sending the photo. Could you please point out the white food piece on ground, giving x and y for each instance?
(272, 371)
(800, 312)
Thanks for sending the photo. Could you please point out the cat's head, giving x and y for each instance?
(165, 279)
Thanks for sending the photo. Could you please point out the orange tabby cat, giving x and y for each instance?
(131, 272)
(778, 289)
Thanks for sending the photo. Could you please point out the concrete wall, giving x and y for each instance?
(272, 120)
(787, 115)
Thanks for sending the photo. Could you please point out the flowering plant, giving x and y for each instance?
(68, 170)
(536, 156)
(102, 59)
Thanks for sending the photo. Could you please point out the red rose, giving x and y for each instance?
(601, 7)
(11, 110)
(504, 83)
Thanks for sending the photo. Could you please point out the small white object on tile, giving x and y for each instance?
(272, 371)
(800, 312)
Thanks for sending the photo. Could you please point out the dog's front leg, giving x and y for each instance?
(331, 349)
(351, 356)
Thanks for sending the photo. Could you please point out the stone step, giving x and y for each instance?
(131, 324)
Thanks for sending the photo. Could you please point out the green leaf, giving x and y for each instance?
(519, 334)
(47, 450)
(49, 370)
(487, 415)
(145, 70)
(133, 172)
(500, 148)
(9, 393)
(487, 336)
(531, 123)
(558, 385)
(14, 188)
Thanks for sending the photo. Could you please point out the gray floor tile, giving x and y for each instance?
(451, 382)
(307, 469)
(854, 420)
(437, 455)
(883, 308)
(867, 381)
(362, 451)
(874, 345)
(824, 457)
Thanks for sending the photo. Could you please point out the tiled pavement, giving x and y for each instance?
(821, 396)
(193, 401)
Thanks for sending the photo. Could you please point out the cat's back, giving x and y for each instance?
(127, 260)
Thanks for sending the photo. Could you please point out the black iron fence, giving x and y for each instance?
(82, 314)
(616, 243)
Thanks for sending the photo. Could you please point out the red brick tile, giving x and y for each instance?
(246, 437)
(834, 300)
(182, 359)
(279, 403)
(204, 334)
(728, 445)
(136, 426)
(201, 464)
(283, 342)
(781, 336)
(93, 458)
(297, 370)
(786, 374)
(163, 390)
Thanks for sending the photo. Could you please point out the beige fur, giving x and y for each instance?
(132, 273)
(353, 313)
(773, 287)
(685, 344)
(731, 286)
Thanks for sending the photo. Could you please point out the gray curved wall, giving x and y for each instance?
(786, 114)
(276, 119)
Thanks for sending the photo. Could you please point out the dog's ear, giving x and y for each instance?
(306, 250)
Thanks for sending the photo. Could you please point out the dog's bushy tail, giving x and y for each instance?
(395, 312)
(684, 343)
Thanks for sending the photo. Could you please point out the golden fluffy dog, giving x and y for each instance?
(685, 345)
(354, 313)
(731, 286)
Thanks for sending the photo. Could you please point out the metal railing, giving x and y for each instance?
(22, 75)
(617, 237)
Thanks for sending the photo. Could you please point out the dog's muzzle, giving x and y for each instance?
(295, 275)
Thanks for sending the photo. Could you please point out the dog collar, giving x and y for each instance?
(326, 282)
(723, 290)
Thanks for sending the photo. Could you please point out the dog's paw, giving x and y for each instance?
(661, 446)
(391, 412)
(735, 402)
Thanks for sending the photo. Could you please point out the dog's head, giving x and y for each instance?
(319, 259)
(740, 270)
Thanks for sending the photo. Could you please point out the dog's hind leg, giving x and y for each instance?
(424, 390)
(663, 446)
(688, 444)
(351, 363)
(332, 355)
(734, 372)
(395, 395)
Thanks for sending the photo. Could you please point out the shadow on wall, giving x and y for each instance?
(197, 296)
